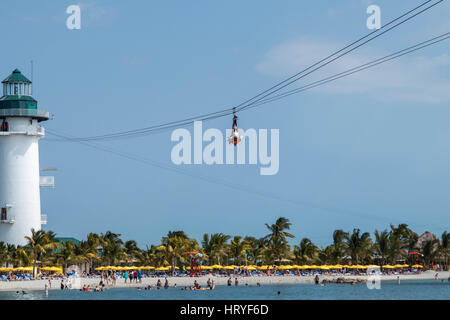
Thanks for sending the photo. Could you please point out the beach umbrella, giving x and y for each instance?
(161, 269)
(265, 267)
(373, 266)
(417, 266)
(228, 268)
(388, 266)
(216, 266)
(4, 269)
(148, 268)
(23, 269)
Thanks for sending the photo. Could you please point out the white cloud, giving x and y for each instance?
(413, 77)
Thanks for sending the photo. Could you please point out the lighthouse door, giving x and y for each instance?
(3, 214)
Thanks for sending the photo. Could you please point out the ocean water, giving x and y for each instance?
(390, 290)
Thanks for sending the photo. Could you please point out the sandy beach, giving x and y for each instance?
(220, 280)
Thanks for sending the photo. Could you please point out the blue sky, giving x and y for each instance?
(365, 151)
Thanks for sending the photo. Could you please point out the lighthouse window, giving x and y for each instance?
(3, 215)
(15, 89)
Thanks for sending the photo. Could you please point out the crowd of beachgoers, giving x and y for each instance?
(112, 276)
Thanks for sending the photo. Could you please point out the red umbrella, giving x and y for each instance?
(416, 253)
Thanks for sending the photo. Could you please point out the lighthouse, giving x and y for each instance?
(20, 132)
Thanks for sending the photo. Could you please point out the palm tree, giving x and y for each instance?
(382, 245)
(66, 254)
(430, 251)
(214, 246)
(93, 241)
(358, 246)
(445, 247)
(40, 242)
(339, 245)
(402, 241)
(23, 256)
(179, 234)
(306, 252)
(3, 253)
(131, 250)
(11, 251)
(85, 253)
(327, 255)
(256, 249)
(277, 238)
(237, 250)
(175, 249)
(112, 248)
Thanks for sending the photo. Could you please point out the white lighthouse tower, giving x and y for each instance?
(20, 204)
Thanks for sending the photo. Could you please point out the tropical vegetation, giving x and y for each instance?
(279, 246)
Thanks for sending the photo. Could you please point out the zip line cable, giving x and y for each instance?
(354, 70)
(335, 53)
(339, 56)
(266, 93)
(312, 85)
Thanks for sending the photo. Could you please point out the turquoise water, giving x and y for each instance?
(407, 290)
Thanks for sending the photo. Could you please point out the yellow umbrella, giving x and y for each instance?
(206, 268)
(388, 266)
(417, 266)
(216, 266)
(148, 268)
(162, 269)
(265, 267)
(324, 267)
(4, 269)
(228, 268)
(303, 267)
(23, 269)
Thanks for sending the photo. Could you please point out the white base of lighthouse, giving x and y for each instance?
(20, 202)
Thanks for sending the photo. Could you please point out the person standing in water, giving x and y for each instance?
(166, 284)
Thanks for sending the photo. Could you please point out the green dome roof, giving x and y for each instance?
(15, 77)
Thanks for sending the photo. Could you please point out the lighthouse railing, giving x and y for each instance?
(24, 113)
